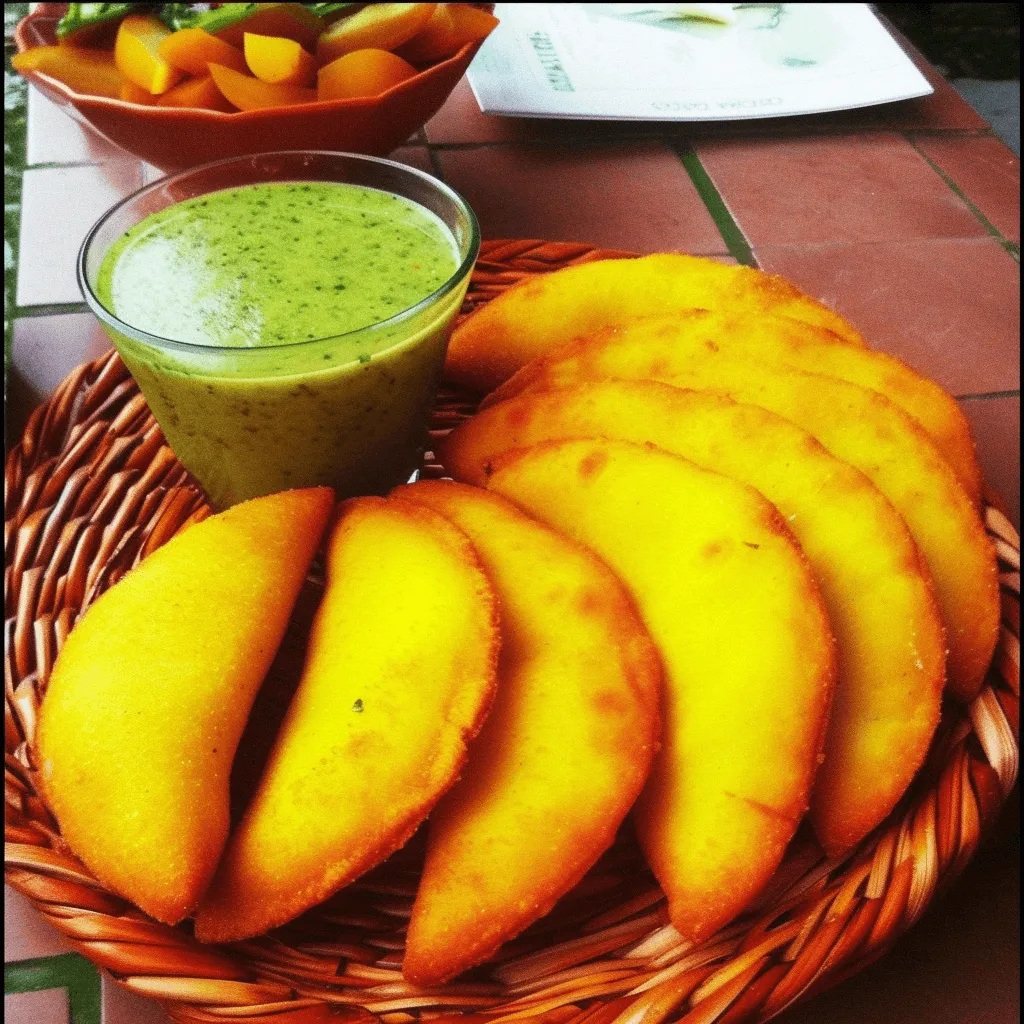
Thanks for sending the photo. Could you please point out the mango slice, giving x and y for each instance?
(132, 93)
(278, 61)
(249, 93)
(137, 53)
(89, 72)
(748, 656)
(197, 93)
(878, 592)
(450, 27)
(540, 313)
(230, 22)
(859, 426)
(150, 694)
(192, 50)
(563, 753)
(399, 676)
(376, 26)
(362, 73)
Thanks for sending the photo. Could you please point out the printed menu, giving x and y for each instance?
(689, 62)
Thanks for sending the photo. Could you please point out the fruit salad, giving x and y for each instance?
(233, 57)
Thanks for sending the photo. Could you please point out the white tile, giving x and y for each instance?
(123, 1007)
(58, 206)
(57, 138)
(44, 350)
(47, 1007)
(151, 173)
(26, 934)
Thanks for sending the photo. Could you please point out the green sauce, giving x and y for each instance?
(259, 289)
(275, 264)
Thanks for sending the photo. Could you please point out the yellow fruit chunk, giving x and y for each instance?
(565, 749)
(289, 21)
(450, 27)
(362, 73)
(860, 427)
(398, 678)
(137, 53)
(249, 93)
(197, 93)
(672, 340)
(132, 93)
(150, 694)
(376, 26)
(192, 50)
(747, 653)
(278, 61)
(90, 72)
(877, 590)
(543, 312)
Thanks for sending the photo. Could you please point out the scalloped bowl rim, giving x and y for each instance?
(203, 113)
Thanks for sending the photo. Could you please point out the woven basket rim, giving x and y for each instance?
(91, 488)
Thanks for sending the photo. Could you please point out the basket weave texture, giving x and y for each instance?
(92, 488)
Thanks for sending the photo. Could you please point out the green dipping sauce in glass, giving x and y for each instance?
(270, 377)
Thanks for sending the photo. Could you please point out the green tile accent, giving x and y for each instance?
(733, 237)
(1011, 247)
(989, 394)
(15, 102)
(54, 309)
(69, 971)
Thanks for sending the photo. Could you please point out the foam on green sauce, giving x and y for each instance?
(276, 264)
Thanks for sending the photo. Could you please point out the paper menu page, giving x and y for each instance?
(689, 62)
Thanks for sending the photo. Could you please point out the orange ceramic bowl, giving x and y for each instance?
(175, 138)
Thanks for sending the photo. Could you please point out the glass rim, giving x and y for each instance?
(110, 319)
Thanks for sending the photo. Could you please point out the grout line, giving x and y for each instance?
(954, 133)
(547, 142)
(68, 971)
(676, 139)
(845, 243)
(50, 309)
(1011, 247)
(435, 162)
(15, 151)
(988, 394)
(735, 241)
(57, 165)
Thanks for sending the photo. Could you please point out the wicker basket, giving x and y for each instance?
(92, 488)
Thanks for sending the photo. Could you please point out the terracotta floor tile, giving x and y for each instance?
(944, 108)
(123, 1007)
(986, 170)
(47, 1007)
(26, 935)
(851, 189)
(949, 307)
(460, 121)
(636, 197)
(996, 424)
(57, 138)
(52, 231)
(414, 156)
(44, 350)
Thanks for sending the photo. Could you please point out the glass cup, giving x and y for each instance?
(251, 421)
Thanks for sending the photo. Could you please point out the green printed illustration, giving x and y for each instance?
(780, 35)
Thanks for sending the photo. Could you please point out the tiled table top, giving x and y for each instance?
(905, 218)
